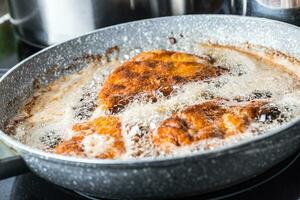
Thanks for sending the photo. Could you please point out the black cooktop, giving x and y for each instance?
(280, 183)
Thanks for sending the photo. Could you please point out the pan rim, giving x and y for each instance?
(20, 147)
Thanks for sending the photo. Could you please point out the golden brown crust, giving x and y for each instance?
(109, 126)
(151, 72)
(206, 120)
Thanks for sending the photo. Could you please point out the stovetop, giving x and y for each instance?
(280, 183)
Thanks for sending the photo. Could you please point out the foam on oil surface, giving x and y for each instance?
(73, 99)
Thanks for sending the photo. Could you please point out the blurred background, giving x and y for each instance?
(45, 22)
(27, 26)
(3, 7)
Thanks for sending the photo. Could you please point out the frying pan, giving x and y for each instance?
(151, 178)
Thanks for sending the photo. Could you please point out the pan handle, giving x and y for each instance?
(11, 164)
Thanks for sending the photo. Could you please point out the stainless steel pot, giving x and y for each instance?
(148, 178)
(283, 10)
(45, 22)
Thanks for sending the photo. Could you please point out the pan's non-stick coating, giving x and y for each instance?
(163, 178)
